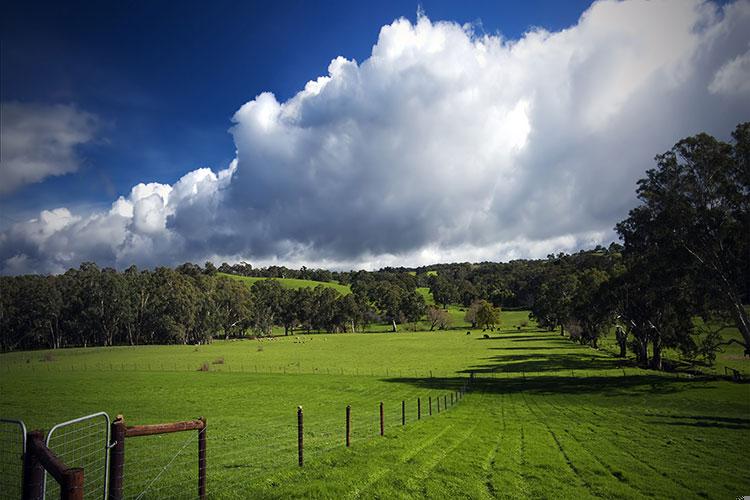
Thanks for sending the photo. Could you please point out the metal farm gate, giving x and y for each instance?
(82, 442)
(12, 450)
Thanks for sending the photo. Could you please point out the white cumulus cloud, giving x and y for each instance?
(443, 145)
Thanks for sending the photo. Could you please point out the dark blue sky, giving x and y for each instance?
(164, 78)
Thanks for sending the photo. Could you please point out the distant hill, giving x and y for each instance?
(296, 283)
(292, 283)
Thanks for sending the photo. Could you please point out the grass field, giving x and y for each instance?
(544, 418)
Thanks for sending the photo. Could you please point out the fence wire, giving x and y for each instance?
(161, 466)
(82, 442)
(12, 449)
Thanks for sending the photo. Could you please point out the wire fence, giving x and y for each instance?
(82, 442)
(165, 462)
(12, 449)
(161, 466)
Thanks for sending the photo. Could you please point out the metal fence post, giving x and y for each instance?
(300, 443)
(403, 412)
(382, 428)
(117, 458)
(202, 460)
(430, 404)
(419, 409)
(348, 425)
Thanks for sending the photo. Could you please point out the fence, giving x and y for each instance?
(12, 450)
(90, 457)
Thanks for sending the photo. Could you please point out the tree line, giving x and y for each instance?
(684, 254)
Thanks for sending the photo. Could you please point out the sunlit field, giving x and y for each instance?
(543, 417)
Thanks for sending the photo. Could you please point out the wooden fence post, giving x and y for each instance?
(117, 458)
(300, 443)
(419, 409)
(72, 484)
(382, 427)
(403, 412)
(202, 460)
(348, 426)
(33, 472)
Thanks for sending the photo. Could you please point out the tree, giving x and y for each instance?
(487, 316)
(438, 317)
(267, 298)
(443, 290)
(695, 208)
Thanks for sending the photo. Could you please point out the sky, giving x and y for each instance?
(346, 135)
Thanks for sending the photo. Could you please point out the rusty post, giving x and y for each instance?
(348, 426)
(72, 484)
(202, 460)
(430, 404)
(33, 472)
(382, 427)
(403, 412)
(300, 443)
(419, 409)
(117, 458)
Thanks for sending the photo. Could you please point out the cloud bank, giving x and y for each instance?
(443, 145)
(38, 141)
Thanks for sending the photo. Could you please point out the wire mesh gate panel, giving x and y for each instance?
(82, 442)
(12, 449)
(161, 466)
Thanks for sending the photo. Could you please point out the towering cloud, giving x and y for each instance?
(443, 145)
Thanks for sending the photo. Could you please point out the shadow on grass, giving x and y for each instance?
(633, 385)
(701, 421)
(545, 362)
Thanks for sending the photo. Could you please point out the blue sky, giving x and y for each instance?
(165, 77)
(346, 134)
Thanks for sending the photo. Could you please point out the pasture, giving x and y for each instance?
(544, 417)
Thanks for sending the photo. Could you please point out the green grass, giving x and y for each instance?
(545, 418)
(292, 282)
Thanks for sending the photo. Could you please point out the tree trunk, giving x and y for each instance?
(393, 323)
(656, 357)
(562, 330)
(743, 323)
(623, 348)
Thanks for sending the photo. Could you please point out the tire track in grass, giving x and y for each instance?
(631, 431)
(491, 457)
(405, 457)
(569, 462)
(431, 463)
(564, 414)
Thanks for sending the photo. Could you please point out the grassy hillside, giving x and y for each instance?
(292, 283)
(545, 417)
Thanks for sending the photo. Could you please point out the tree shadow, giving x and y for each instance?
(545, 362)
(701, 421)
(627, 385)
